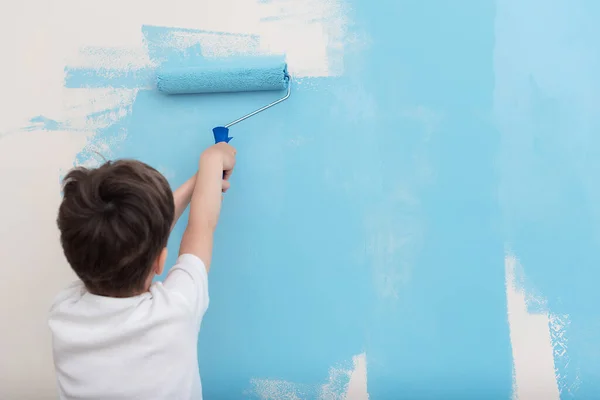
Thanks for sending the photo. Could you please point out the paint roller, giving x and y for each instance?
(253, 75)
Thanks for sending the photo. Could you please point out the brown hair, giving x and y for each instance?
(114, 221)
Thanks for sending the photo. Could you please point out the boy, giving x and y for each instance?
(117, 335)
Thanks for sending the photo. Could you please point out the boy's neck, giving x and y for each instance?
(125, 295)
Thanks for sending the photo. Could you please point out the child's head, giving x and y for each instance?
(114, 225)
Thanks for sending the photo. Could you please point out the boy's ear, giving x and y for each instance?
(160, 262)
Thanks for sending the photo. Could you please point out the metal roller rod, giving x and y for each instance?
(289, 89)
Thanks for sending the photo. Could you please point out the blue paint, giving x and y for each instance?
(371, 212)
(45, 123)
(245, 75)
(104, 77)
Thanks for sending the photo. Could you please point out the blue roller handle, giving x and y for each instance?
(221, 134)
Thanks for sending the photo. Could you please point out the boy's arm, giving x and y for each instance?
(215, 165)
(182, 196)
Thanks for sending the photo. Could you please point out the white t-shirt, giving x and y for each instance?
(142, 347)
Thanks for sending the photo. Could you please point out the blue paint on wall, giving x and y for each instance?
(45, 123)
(100, 78)
(371, 212)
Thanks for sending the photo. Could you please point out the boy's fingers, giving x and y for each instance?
(227, 146)
(225, 186)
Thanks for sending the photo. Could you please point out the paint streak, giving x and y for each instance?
(343, 384)
(531, 341)
(357, 386)
(113, 67)
(279, 27)
(47, 124)
(114, 78)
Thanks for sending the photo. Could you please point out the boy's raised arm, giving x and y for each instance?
(182, 197)
(215, 166)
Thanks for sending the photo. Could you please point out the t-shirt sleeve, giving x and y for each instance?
(189, 278)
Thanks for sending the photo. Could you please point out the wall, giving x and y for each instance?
(417, 221)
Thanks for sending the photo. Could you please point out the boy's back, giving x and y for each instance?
(140, 347)
(117, 335)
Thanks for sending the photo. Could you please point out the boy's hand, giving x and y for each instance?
(224, 155)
